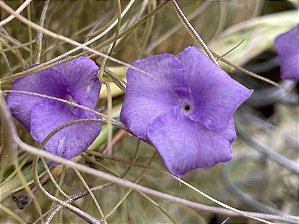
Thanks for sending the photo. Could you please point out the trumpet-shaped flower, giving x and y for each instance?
(184, 106)
(75, 81)
(287, 45)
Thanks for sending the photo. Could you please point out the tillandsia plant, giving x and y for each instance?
(75, 81)
(113, 111)
(287, 45)
(185, 108)
(184, 105)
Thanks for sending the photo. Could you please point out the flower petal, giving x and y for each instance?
(156, 90)
(186, 145)
(83, 83)
(287, 45)
(49, 82)
(215, 94)
(70, 141)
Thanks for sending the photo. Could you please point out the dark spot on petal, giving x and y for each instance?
(187, 108)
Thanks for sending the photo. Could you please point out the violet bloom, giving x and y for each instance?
(184, 106)
(287, 45)
(75, 81)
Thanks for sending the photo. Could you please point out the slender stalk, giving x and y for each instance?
(12, 214)
(109, 112)
(91, 194)
(130, 190)
(29, 32)
(85, 216)
(18, 11)
(40, 34)
(192, 31)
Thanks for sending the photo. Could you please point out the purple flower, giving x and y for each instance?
(75, 81)
(184, 106)
(287, 45)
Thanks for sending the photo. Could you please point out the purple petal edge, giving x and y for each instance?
(185, 145)
(287, 45)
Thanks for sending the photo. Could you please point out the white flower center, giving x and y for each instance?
(60, 147)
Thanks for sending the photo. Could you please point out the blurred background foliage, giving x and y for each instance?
(252, 181)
